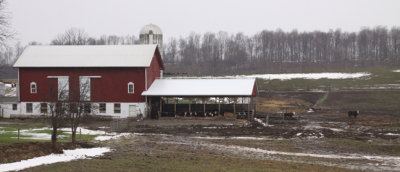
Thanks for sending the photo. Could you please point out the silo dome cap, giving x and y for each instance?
(150, 29)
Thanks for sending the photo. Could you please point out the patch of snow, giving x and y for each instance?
(396, 70)
(313, 126)
(84, 131)
(151, 134)
(236, 138)
(210, 127)
(31, 134)
(289, 76)
(299, 134)
(392, 134)
(335, 129)
(109, 137)
(37, 136)
(209, 138)
(262, 123)
(68, 155)
(11, 92)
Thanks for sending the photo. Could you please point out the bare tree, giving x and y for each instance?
(79, 105)
(57, 109)
(73, 36)
(5, 32)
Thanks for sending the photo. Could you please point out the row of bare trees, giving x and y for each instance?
(76, 36)
(266, 51)
(278, 51)
(5, 31)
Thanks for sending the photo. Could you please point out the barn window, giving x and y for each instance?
(43, 107)
(33, 87)
(29, 108)
(63, 87)
(87, 108)
(117, 108)
(84, 83)
(102, 108)
(14, 107)
(131, 87)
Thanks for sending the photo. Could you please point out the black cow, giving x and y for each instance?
(353, 113)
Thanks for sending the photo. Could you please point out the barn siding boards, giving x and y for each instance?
(153, 71)
(111, 87)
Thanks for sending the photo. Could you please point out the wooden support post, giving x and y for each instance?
(204, 107)
(80, 133)
(248, 107)
(149, 111)
(234, 106)
(175, 106)
(190, 101)
(160, 107)
(242, 106)
(219, 106)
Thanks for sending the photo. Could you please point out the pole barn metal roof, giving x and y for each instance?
(87, 56)
(201, 87)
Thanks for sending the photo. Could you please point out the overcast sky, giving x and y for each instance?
(42, 20)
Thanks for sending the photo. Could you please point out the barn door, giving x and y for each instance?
(132, 110)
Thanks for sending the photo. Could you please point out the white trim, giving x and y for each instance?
(145, 78)
(56, 77)
(91, 76)
(18, 94)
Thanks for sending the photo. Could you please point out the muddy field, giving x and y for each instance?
(322, 140)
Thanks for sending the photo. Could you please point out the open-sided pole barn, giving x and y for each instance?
(201, 97)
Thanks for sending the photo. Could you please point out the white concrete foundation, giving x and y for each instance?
(127, 109)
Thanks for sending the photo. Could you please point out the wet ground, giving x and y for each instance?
(329, 139)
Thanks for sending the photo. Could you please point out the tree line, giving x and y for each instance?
(266, 51)
(279, 51)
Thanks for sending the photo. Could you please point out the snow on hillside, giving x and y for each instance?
(289, 76)
(10, 91)
(396, 70)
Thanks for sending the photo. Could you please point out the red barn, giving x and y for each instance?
(116, 74)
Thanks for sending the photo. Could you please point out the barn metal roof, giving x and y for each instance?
(87, 56)
(201, 87)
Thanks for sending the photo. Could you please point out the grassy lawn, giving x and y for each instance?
(378, 77)
(179, 160)
(377, 145)
(365, 100)
(9, 134)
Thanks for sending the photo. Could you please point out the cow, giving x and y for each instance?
(289, 115)
(353, 113)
